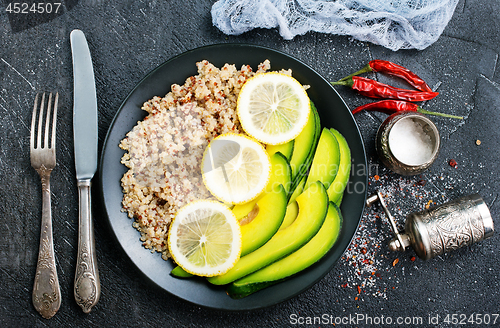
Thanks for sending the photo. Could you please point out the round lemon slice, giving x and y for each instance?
(205, 238)
(273, 107)
(235, 168)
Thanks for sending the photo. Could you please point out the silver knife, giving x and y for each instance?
(87, 288)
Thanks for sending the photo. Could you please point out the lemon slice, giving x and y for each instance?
(235, 168)
(205, 238)
(273, 107)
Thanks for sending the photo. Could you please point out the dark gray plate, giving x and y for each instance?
(333, 112)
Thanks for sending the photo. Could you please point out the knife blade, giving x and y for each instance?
(86, 284)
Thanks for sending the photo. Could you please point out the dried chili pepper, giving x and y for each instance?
(375, 89)
(394, 106)
(384, 66)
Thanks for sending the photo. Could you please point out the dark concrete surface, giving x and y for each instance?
(129, 38)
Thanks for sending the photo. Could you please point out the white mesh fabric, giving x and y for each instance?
(396, 24)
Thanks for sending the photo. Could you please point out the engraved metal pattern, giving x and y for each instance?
(86, 293)
(46, 297)
(87, 288)
(453, 225)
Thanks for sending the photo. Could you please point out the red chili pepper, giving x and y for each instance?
(394, 106)
(384, 66)
(375, 89)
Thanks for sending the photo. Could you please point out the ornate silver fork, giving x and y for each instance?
(46, 292)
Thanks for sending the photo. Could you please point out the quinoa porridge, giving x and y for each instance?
(164, 151)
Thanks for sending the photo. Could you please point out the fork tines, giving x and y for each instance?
(38, 144)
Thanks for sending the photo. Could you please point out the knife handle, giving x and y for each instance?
(87, 286)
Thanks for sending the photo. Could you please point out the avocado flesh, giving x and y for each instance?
(281, 174)
(313, 206)
(304, 146)
(297, 190)
(325, 161)
(286, 149)
(179, 272)
(272, 208)
(301, 176)
(299, 260)
(336, 189)
(292, 210)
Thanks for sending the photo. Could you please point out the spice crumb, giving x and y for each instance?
(395, 262)
(478, 142)
(421, 182)
(453, 163)
(413, 258)
(359, 290)
(376, 177)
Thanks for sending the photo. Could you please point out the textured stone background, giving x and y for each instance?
(129, 38)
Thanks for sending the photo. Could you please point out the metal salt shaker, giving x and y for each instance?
(386, 154)
(443, 228)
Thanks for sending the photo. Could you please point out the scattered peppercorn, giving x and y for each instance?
(413, 259)
(478, 142)
(453, 163)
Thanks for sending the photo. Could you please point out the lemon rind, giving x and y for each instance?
(257, 134)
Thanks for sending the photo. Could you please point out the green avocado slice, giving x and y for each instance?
(325, 161)
(179, 272)
(301, 259)
(271, 211)
(292, 210)
(336, 189)
(286, 149)
(304, 146)
(313, 206)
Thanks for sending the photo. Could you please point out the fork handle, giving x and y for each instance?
(46, 295)
(87, 287)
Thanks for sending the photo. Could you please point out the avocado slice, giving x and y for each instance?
(336, 189)
(281, 174)
(313, 206)
(179, 272)
(292, 210)
(339, 201)
(299, 260)
(286, 149)
(326, 160)
(297, 190)
(304, 146)
(271, 211)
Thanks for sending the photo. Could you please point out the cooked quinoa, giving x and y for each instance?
(164, 151)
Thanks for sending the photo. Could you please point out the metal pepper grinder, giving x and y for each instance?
(443, 228)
